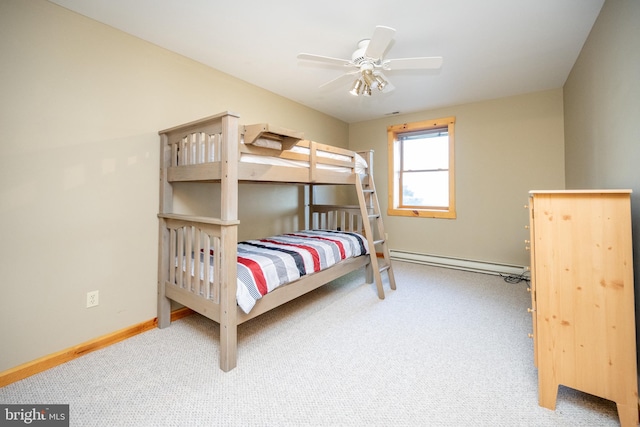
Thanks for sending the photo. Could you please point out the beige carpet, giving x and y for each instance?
(448, 348)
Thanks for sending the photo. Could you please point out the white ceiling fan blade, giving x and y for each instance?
(382, 36)
(425, 63)
(324, 59)
(339, 79)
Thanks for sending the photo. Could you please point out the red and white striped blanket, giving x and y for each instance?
(265, 264)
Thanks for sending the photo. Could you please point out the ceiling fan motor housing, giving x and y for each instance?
(358, 57)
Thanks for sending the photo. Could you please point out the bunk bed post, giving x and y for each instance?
(310, 201)
(229, 241)
(228, 309)
(166, 206)
(230, 156)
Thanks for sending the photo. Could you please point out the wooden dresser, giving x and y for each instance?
(582, 296)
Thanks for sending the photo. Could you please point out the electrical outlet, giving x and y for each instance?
(92, 299)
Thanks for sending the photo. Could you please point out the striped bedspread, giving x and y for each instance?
(265, 264)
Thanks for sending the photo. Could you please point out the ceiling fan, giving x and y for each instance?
(370, 64)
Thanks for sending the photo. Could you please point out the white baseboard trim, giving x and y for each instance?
(459, 263)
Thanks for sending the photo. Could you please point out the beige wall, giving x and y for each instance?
(81, 107)
(602, 112)
(503, 148)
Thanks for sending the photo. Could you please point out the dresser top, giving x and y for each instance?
(614, 191)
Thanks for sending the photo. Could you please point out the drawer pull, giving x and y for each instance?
(530, 335)
(530, 310)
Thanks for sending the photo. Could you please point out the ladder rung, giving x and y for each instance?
(385, 267)
(377, 242)
(368, 191)
(371, 216)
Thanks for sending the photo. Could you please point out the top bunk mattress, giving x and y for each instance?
(360, 164)
(202, 148)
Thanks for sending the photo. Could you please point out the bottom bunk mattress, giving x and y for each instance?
(266, 264)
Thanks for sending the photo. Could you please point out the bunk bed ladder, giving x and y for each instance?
(377, 238)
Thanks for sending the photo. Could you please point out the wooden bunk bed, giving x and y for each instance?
(218, 149)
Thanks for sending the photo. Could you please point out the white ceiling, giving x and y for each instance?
(491, 48)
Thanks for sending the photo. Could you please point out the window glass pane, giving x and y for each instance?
(427, 153)
(426, 189)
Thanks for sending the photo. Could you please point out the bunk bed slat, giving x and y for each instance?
(172, 255)
(214, 289)
(180, 267)
(199, 263)
(204, 288)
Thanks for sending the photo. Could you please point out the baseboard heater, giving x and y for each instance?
(459, 263)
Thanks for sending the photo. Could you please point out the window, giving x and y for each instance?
(421, 181)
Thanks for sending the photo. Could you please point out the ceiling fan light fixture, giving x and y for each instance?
(367, 90)
(356, 88)
(381, 82)
(367, 76)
